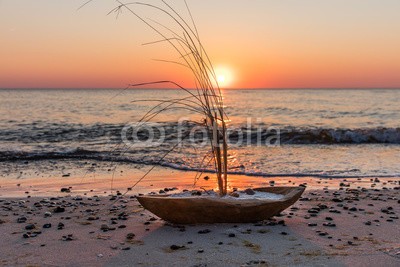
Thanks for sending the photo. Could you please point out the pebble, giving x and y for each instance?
(329, 224)
(65, 190)
(60, 226)
(21, 219)
(176, 247)
(104, 227)
(59, 209)
(249, 191)
(30, 227)
(130, 236)
(47, 225)
(205, 231)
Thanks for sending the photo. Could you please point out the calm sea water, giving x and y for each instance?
(331, 133)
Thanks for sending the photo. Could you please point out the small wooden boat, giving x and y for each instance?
(195, 209)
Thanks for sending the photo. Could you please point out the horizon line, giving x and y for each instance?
(232, 88)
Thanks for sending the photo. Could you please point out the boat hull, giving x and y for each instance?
(195, 210)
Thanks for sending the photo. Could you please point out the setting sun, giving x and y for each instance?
(224, 76)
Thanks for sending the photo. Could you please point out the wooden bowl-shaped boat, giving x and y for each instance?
(195, 209)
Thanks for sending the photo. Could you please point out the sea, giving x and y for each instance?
(332, 133)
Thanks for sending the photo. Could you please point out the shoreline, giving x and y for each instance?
(364, 213)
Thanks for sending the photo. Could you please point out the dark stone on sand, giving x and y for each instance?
(67, 237)
(176, 247)
(312, 224)
(30, 226)
(65, 190)
(329, 218)
(322, 206)
(21, 219)
(329, 224)
(284, 233)
(196, 193)
(323, 233)
(60, 226)
(231, 235)
(234, 194)
(353, 209)
(367, 223)
(59, 209)
(122, 226)
(337, 200)
(104, 227)
(125, 248)
(313, 210)
(334, 211)
(47, 225)
(130, 236)
(220, 243)
(249, 191)
(200, 250)
(205, 231)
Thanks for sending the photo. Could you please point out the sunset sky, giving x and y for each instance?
(253, 44)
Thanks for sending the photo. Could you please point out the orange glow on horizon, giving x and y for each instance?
(292, 47)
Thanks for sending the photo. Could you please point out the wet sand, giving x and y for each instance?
(337, 222)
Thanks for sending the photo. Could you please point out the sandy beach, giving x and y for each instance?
(337, 222)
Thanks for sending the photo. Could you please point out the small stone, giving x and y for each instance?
(47, 225)
(312, 224)
(59, 209)
(231, 235)
(104, 227)
(284, 233)
(249, 191)
(65, 190)
(200, 250)
(30, 227)
(125, 248)
(60, 226)
(21, 219)
(234, 194)
(130, 236)
(205, 231)
(47, 214)
(176, 247)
